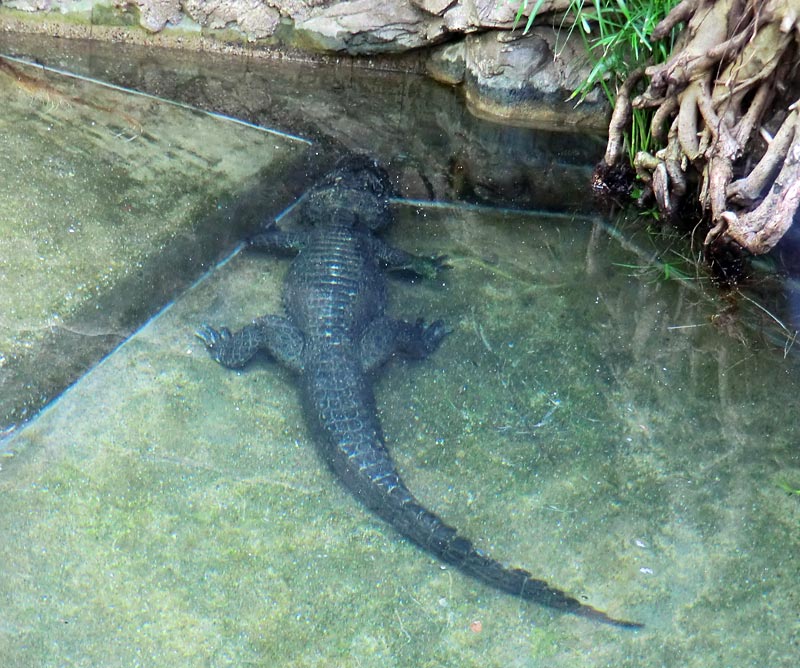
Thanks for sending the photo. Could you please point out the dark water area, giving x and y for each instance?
(601, 414)
(436, 149)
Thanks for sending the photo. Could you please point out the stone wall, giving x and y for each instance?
(519, 79)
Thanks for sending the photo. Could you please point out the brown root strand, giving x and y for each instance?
(755, 112)
(719, 156)
(724, 141)
(660, 187)
(620, 119)
(756, 62)
(661, 118)
(748, 190)
(760, 229)
(672, 161)
(645, 163)
(708, 28)
(683, 11)
(688, 121)
(716, 54)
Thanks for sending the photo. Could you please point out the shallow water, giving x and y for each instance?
(111, 204)
(616, 428)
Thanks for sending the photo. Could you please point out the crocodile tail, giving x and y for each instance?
(362, 462)
(430, 532)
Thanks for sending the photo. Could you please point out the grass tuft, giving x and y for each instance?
(616, 34)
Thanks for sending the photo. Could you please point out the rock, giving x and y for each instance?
(521, 79)
(28, 5)
(154, 15)
(366, 27)
(254, 18)
(446, 64)
(529, 79)
(437, 7)
(473, 15)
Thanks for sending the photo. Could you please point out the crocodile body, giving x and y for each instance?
(336, 335)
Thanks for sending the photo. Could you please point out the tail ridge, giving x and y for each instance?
(430, 532)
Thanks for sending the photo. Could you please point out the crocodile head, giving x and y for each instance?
(356, 192)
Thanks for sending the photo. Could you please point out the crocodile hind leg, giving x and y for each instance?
(386, 337)
(272, 333)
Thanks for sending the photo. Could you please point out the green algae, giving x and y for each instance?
(125, 14)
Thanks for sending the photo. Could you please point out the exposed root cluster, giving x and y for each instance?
(728, 87)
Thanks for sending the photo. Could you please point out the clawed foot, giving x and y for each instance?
(431, 334)
(218, 343)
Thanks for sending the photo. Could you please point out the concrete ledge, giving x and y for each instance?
(111, 204)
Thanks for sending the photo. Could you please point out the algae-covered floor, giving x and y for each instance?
(110, 204)
(586, 419)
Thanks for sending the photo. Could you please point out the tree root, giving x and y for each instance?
(712, 101)
(764, 226)
(750, 189)
(621, 118)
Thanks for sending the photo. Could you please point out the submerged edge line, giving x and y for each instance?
(175, 103)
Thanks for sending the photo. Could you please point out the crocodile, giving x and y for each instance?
(336, 335)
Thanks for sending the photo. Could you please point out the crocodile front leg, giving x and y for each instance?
(273, 334)
(273, 238)
(396, 259)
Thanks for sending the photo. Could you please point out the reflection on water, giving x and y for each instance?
(786, 258)
(436, 148)
(600, 415)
